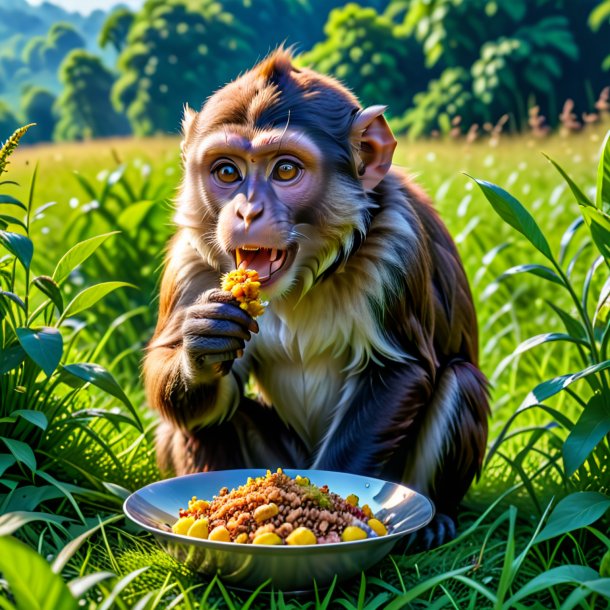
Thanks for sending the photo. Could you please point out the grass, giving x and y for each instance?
(503, 557)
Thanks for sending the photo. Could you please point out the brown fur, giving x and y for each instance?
(376, 335)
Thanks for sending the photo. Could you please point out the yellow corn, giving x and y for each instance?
(267, 538)
(265, 511)
(220, 533)
(182, 525)
(242, 538)
(352, 500)
(302, 535)
(299, 480)
(353, 532)
(379, 528)
(199, 529)
(366, 509)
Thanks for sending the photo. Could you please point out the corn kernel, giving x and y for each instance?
(352, 500)
(379, 528)
(220, 533)
(182, 525)
(199, 529)
(302, 535)
(265, 511)
(198, 505)
(299, 480)
(267, 538)
(366, 509)
(353, 532)
(242, 538)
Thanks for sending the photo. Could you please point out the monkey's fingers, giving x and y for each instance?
(198, 346)
(195, 326)
(223, 311)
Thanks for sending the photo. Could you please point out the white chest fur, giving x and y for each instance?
(308, 353)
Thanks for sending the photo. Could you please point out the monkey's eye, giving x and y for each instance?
(227, 173)
(285, 171)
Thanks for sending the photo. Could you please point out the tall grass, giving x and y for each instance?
(79, 273)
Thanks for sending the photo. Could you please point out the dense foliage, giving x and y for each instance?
(440, 65)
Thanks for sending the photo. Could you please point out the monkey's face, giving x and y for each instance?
(274, 201)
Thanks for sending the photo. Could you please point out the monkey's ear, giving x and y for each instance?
(188, 118)
(374, 144)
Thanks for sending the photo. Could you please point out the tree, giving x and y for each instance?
(175, 56)
(61, 39)
(84, 107)
(516, 53)
(116, 28)
(37, 107)
(366, 51)
(33, 53)
(8, 121)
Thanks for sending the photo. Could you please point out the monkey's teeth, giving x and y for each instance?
(273, 256)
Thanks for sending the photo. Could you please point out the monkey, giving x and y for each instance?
(366, 359)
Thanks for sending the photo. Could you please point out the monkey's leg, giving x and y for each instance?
(254, 437)
(446, 450)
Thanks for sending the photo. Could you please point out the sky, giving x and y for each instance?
(86, 6)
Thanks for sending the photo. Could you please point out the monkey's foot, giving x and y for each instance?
(440, 530)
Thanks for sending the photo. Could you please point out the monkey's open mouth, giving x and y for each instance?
(267, 261)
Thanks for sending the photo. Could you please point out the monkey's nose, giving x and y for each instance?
(248, 211)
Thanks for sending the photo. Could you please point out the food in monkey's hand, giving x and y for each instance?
(243, 284)
(277, 509)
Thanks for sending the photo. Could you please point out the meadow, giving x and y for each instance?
(78, 435)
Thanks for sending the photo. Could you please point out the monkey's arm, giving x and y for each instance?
(195, 321)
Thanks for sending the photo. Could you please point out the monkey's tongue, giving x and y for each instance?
(266, 261)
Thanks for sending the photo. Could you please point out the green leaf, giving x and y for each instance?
(31, 580)
(19, 245)
(513, 213)
(13, 297)
(599, 15)
(550, 578)
(574, 326)
(122, 584)
(49, 287)
(590, 429)
(29, 497)
(133, 215)
(79, 586)
(8, 200)
(101, 378)
(573, 512)
(539, 270)
(11, 358)
(77, 255)
(602, 199)
(11, 522)
(23, 453)
(546, 338)
(44, 347)
(553, 386)
(599, 225)
(38, 418)
(6, 461)
(580, 197)
(89, 296)
(11, 220)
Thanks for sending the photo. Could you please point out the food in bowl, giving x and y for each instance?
(277, 509)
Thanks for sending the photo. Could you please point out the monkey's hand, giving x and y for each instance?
(214, 331)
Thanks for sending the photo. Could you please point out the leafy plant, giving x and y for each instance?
(52, 429)
(587, 326)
